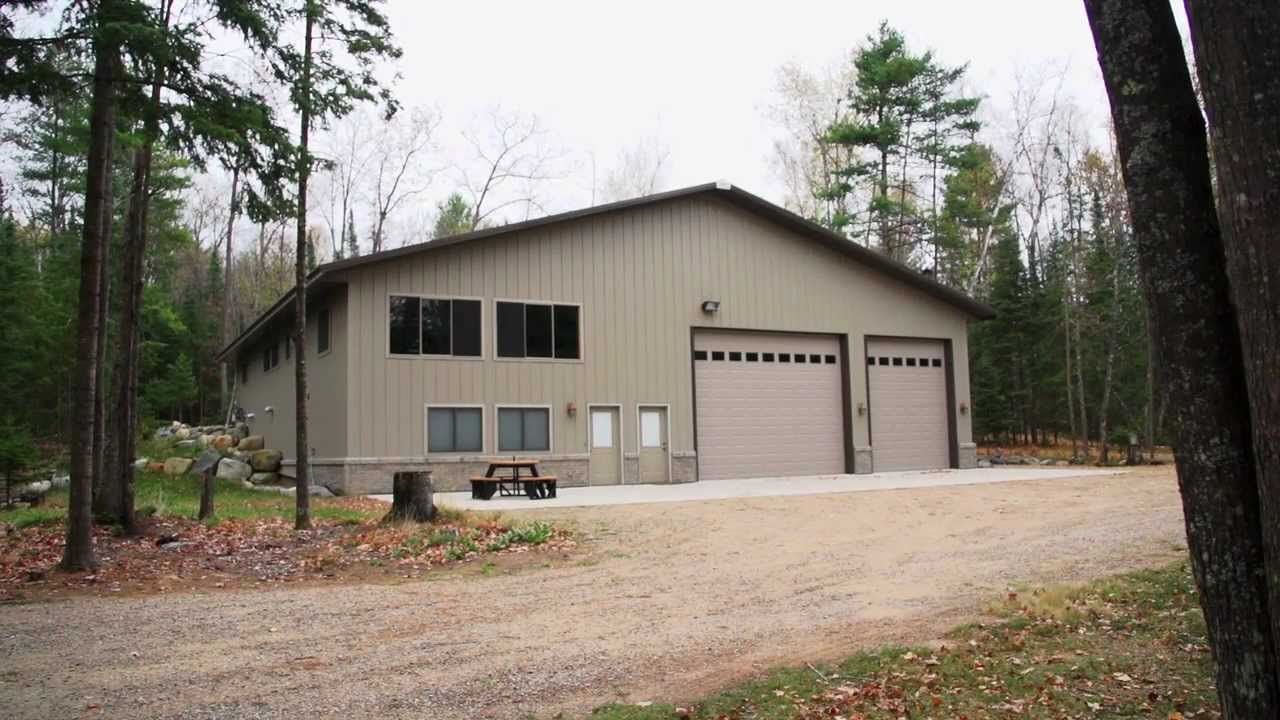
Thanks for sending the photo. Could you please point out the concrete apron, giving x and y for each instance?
(760, 487)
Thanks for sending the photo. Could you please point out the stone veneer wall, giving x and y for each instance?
(968, 455)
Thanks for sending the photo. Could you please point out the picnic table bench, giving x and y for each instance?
(534, 485)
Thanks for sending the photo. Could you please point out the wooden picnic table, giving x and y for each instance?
(534, 485)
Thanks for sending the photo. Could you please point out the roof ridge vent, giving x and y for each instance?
(724, 185)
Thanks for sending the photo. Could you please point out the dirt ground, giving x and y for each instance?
(663, 602)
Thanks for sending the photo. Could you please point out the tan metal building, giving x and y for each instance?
(702, 333)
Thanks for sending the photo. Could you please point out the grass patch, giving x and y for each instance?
(180, 496)
(1129, 646)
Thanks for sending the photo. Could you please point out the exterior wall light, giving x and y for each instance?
(711, 306)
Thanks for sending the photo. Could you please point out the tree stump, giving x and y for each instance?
(411, 498)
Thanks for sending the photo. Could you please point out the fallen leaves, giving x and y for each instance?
(178, 554)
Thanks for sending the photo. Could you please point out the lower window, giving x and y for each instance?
(524, 430)
(452, 430)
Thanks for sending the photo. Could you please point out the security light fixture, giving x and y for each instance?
(711, 306)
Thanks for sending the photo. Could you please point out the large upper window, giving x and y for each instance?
(434, 326)
(322, 331)
(533, 330)
(524, 430)
(271, 355)
(454, 429)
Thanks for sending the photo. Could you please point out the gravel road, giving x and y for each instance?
(665, 602)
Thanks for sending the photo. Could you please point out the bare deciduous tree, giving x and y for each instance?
(639, 170)
(510, 158)
(399, 166)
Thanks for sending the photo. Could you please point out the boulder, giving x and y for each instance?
(141, 463)
(182, 433)
(234, 470)
(186, 444)
(266, 460)
(222, 442)
(60, 482)
(984, 463)
(163, 432)
(1047, 461)
(155, 466)
(251, 443)
(315, 491)
(265, 478)
(177, 466)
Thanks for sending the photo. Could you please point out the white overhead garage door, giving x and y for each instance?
(768, 405)
(908, 390)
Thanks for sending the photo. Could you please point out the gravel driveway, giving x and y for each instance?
(667, 602)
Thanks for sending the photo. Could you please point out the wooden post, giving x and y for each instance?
(206, 497)
(411, 497)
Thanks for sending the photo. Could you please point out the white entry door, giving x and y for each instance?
(606, 446)
(655, 464)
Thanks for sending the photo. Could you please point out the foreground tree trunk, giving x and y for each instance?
(1240, 73)
(1163, 150)
(411, 498)
(78, 552)
(226, 290)
(302, 512)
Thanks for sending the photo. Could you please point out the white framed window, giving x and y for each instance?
(454, 429)
(523, 428)
(602, 428)
(650, 428)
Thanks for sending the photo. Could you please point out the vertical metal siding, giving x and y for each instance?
(641, 276)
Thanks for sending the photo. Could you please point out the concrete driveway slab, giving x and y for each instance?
(761, 487)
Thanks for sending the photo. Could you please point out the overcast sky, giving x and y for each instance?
(698, 74)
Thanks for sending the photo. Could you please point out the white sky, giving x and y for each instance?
(698, 74)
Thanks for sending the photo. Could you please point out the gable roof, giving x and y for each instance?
(320, 278)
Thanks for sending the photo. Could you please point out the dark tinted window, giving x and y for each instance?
(288, 347)
(911, 362)
(404, 325)
(937, 362)
(717, 354)
(437, 321)
(699, 354)
(884, 361)
(924, 362)
(799, 357)
(815, 359)
(767, 357)
(322, 330)
(831, 359)
(897, 362)
(566, 317)
(537, 331)
(784, 357)
(466, 328)
(510, 330)
(244, 373)
(735, 356)
(752, 357)
(871, 360)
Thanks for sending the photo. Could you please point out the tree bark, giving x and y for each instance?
(206, 496)
(1240, 74)
(78, 553)
(226, 288)
(1161, 140)
(411, 498)
(302, 512)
